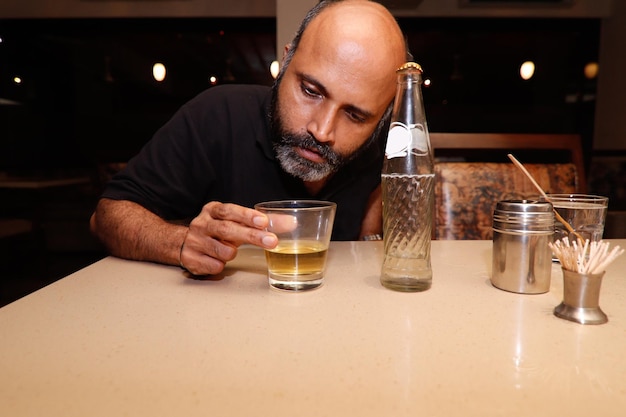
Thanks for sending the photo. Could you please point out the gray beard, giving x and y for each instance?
(303, 168)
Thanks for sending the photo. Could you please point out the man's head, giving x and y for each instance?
(336, 85)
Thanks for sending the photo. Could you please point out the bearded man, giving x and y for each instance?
(319, 133)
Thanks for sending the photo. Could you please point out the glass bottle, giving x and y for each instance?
(408, 179)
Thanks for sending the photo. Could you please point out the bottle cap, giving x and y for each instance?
(410, 65)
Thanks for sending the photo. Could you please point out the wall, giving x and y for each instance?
(289, 13)
(136, 8)
(265, 8)
(609, 134)
(610, 129)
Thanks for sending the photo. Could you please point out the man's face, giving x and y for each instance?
(300, 154)
(326, 108)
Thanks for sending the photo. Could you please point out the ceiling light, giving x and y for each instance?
(527, 70)
(591, 70)
(159, 71)
(274, 69)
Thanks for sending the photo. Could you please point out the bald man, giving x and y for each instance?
(319, 132)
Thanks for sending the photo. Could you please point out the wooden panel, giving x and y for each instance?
(466, 193)
(510, 142)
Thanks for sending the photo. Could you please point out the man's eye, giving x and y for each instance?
(355, 117)
(309, 91)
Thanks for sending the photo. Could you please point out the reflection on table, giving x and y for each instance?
(131, 338)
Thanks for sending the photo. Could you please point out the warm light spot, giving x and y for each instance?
(213, 79)
(17, 80)
(527, 70)
(274, 69)
(591, 70)
(159, 71)
(427, 82)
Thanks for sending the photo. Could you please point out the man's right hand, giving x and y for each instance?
(216, 233)
(130, 231)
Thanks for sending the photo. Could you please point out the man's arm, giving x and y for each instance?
(372, 225)
(130, 231)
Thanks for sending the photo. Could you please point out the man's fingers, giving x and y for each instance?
(235, 213)
(216, 233)
(203, 255)
(282, 223)
(236, 224)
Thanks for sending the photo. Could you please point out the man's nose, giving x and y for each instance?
(322, 125)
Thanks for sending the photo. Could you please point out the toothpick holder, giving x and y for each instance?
(581, 298)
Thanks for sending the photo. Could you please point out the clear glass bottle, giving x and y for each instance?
(408, 181)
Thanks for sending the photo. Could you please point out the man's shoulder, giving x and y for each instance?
(228, 113)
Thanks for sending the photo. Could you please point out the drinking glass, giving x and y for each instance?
(303, 228)
(584, 212)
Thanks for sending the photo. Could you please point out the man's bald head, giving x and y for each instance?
(363, 20)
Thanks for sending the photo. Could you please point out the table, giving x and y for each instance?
(140, 339)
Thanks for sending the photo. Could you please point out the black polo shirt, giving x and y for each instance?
(217, 147)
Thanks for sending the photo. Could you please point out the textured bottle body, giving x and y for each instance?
(407, 225)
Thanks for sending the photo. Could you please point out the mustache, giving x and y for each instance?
(307, 141)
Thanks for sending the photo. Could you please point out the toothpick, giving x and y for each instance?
(584, 258)
(610, 258)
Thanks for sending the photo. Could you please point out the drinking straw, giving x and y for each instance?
(538, 187)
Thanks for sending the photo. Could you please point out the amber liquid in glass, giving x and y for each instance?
(296, 264)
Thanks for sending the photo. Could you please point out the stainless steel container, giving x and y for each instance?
(522, 259)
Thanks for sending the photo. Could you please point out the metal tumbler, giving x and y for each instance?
(522, 259)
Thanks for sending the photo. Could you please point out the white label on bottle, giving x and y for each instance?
(402, 139)
(398, 140)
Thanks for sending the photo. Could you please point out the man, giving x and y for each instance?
(318, 134)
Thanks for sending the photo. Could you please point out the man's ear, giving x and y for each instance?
(287, 48)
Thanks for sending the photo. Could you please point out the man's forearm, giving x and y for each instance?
(372, 224)
(130, 231)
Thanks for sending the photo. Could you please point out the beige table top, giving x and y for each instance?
(139, 339)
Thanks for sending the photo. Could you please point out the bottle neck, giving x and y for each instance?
(408, 148)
